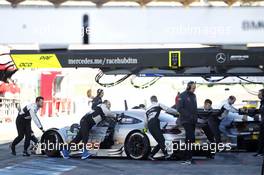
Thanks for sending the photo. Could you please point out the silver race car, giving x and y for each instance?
(125, 137)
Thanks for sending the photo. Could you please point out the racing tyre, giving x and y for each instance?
(51, 141)
(137, 146)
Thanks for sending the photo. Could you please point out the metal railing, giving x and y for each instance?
(8, 109)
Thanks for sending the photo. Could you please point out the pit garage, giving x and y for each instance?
(130, 51)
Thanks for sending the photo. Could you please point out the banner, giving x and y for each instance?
(119, 25)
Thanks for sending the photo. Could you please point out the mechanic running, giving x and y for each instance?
(23, 124)
(203, 120)
(261, 133)
(214, 122)
(87, 122)
(152, 114)
(187, 107)
(32, 135)
(98, 99)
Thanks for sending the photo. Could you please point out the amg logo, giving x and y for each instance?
(45, 57)
(25, 64)
(253, 25)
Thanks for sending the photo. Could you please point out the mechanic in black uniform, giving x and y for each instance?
(32, 135)
(261, 134)
(214, 123)
(87, 122)
(98, 99)
(23, 124)
(203, 120)
(187, 107)
(152, 114)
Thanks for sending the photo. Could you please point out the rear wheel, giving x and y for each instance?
(51, 143)
(137, 145)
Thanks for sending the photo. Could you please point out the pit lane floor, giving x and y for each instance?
(231, 163)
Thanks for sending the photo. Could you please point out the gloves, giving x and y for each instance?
(242, 111)
(119, 117)
(42, 129)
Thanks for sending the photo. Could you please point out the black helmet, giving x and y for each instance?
(99, 91)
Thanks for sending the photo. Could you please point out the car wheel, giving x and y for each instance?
(137, 146)
(51, 141)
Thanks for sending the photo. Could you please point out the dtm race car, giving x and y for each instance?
(126, 137)
(243, 131)
(246, 130)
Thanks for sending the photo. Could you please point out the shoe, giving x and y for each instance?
(85, 155)
(65, 154)
(25, 153)
(13, 153)
(13, 150)
(258, 155)
(187, 162)
(150, 157)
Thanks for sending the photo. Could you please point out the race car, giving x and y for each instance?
(246, 131)
(246, 134)
(125, 137)
(243, 133)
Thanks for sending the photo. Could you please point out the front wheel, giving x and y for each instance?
(137, 146)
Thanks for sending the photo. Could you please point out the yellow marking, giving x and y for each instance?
(36, 61)
(178, 53)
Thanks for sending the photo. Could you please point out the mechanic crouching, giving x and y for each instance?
(87, 122)
(152, 114)
(261, 133)
(187, 107)
(228, 115)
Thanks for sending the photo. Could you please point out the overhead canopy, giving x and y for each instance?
(204, 61)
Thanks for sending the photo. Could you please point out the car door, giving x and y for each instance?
(97, 133)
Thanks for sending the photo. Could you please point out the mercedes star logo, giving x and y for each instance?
(220, 58)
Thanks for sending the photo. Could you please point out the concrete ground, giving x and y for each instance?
(231, 163)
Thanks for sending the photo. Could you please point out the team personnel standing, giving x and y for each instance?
(87, 122)
(152, 114)
(187, 108)
(23, 124)
(261, 134)
(98, 99)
